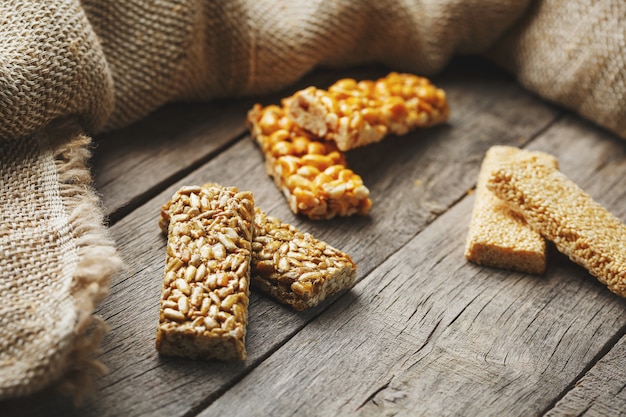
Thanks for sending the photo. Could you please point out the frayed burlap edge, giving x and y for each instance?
(97, 257)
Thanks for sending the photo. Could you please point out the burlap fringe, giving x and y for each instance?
(98, 258)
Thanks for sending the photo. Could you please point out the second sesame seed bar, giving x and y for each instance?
(354, 114)
(204, 302)
(295, 268)
(562, 212)
(311, 173)
(497, 236)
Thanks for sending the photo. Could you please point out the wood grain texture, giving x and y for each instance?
(131, 163)
(601, 392)
(427, 333)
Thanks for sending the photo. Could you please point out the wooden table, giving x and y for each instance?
(422, 332)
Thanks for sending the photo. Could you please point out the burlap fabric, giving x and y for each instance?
(98, 65)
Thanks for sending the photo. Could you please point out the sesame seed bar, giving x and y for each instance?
(497, 236)
(311, 173)
(355, 113)
(204, 299)
(562, 212)
(295, 268)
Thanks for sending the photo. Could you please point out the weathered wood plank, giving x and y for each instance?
(427, 333)
(130, 163)
(413, 179)
(601, 392)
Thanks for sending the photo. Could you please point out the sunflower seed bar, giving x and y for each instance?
(562, 212)
(355, 113)
(311, 173)
(204, 301)
(295, 268)
(499, 237)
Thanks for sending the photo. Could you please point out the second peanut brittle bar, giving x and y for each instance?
(355, 113)
(204, 302)
(295, 268)
(562, 212)
(311, 173)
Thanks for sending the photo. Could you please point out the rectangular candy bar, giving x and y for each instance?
(295, 268)
(204, 302)
(499, 237)
(311, 173)
(562, 212)
(355, 113)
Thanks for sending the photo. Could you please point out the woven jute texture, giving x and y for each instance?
(574, 54)
(105, 64)
(55, 262)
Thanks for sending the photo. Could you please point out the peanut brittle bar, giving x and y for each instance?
(562, 212)
(295, 268)
(311, 173)
(499, 237)
(204, 299)
(355, 113)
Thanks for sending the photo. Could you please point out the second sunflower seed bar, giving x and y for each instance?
(295, 268)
